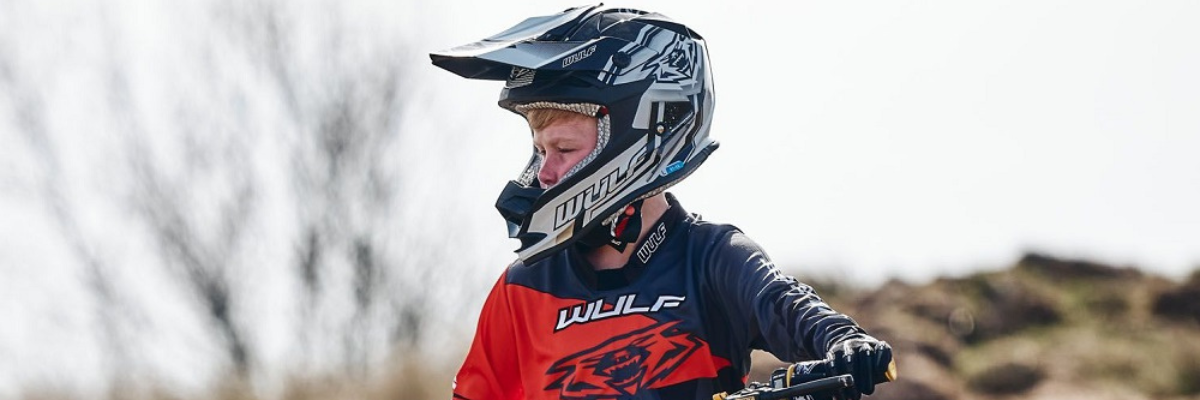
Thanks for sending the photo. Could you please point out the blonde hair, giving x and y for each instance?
(540, 118)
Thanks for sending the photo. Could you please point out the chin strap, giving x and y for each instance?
(627, 227)
(623, 230)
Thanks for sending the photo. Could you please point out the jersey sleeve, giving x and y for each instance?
(773, 311)
(490, 369)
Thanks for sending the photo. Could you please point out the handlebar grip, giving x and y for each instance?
(801, 379)
(791, 392)
(812, 370)
(815, 386)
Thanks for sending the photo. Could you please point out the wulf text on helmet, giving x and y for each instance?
(595, 310)
(577, 57)
(616, 179)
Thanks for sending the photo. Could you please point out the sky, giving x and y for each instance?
(861, 141)
(870, 140)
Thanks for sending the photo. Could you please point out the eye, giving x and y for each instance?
(565, 149)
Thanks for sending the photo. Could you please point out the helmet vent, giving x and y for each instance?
(519, 77)
(675, 112)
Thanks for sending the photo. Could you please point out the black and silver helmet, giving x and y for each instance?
(646, 78)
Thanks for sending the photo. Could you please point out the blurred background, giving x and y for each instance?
(261, 199)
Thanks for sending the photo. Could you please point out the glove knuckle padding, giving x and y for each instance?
(865, 358)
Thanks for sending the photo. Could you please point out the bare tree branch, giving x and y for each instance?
(111, 310)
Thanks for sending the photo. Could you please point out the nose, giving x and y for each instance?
(548, 175)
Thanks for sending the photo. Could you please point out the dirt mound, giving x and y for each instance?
(1041, 328)
(1181, 303)
(1066, 269)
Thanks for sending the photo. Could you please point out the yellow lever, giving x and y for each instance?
(891, 373)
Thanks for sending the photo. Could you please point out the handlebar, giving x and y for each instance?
(802, 379)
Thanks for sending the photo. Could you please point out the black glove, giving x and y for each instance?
(864, 357)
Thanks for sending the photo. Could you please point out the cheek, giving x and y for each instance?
(584, 152)
(578, 156)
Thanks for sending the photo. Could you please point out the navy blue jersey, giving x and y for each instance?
(679, 323)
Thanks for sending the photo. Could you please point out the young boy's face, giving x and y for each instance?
(563, 144)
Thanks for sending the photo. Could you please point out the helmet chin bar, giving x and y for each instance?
(515, 203)
(564, 214)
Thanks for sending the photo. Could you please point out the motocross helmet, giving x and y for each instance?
(645, 78)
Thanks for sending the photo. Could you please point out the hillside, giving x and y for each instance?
(1045, 328)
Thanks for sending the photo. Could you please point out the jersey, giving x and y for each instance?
(693, 301)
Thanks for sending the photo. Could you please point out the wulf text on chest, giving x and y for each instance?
(625, 305)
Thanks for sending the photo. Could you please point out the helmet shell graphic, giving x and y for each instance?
(649, 77)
